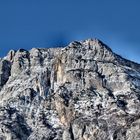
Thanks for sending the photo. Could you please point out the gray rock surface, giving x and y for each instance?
(81, 92)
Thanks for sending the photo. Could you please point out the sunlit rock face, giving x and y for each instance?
(81, 92)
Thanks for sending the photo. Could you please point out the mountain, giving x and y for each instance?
(83, 91)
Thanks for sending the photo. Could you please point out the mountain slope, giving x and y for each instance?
(81, 92)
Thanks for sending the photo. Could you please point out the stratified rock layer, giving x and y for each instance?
(81, 92)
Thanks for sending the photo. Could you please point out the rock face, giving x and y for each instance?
(81, 92)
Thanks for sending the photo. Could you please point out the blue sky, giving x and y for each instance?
(47, 23)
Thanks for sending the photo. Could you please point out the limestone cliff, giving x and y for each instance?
(83, 91)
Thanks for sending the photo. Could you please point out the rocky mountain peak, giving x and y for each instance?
(83, 91)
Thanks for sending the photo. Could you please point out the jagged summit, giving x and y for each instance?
(83, 91)
(95, 44)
